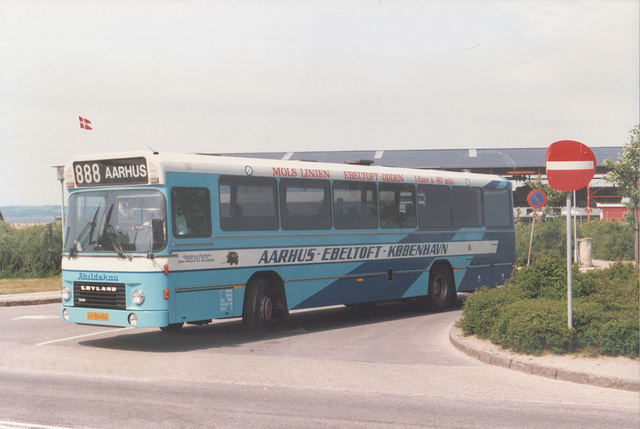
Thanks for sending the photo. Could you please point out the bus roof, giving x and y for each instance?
(119, 168)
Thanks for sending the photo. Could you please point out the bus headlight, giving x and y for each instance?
(133, 319)
(66, 293)
(137, 296)
(65, 315)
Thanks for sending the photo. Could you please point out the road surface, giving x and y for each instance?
(389, 366)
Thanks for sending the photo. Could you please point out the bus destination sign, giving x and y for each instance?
(126, 171)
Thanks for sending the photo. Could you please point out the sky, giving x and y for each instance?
(255, 76)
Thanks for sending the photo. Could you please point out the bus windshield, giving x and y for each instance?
(116, 221)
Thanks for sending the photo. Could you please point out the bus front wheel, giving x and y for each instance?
(442, 289)
(258, 312)
(172, 327)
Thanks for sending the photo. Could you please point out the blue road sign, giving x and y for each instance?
(537, 199)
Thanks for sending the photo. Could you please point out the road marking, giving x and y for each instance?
(83, 336)
(12, 425)
(35, 317)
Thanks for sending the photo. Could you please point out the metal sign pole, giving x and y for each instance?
(533, 225)
(60, 175)
(569, 264)
(576, 251)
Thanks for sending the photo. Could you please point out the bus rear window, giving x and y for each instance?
(497, 207)
(248, 204)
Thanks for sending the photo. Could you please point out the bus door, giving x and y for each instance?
(195, 283)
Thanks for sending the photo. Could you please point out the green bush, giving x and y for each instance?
(29, 252)
(548, 279)
(533, 326)
(619, 338)
(529, 314)
(549, 239)
(610, 241)
(483, 308)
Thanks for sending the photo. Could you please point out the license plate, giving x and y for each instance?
(102, 317)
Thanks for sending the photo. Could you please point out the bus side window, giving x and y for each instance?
(305, 204)
(466, 206)
(397, 205)
(434, 206)
(497, 207)
(355, 205)
(248, 203)
(191, 212)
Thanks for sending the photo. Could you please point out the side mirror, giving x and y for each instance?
(159, 240)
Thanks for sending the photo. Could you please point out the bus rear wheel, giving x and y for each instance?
(442, 289)
(258, 312)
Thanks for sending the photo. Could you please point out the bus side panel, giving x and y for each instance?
(311, 285)
(204, 304)
(370, 281)
(380, 288)
(475, 277)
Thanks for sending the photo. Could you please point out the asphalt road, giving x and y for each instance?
(383, 367)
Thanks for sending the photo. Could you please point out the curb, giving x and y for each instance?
(542, 370)
(29, 299)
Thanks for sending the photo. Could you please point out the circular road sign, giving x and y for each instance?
(570, 165)
(537, 199)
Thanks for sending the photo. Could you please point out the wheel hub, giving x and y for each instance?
(266, 308)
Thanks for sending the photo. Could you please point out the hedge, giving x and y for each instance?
(529, 314)
(32, 251)
(610, 241)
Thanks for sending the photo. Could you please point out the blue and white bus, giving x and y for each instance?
(160, 240)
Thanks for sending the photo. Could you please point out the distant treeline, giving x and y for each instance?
(30, 214)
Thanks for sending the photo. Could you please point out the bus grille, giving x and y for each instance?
(100, 295)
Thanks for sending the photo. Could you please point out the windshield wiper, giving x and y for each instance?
(90, 226)
(112, 235)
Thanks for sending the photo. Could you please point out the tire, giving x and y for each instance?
(442, 289)
(258, 314)
(172, 327)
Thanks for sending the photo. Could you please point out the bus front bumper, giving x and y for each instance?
(117, 318)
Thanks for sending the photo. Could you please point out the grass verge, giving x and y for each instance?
(12, 286)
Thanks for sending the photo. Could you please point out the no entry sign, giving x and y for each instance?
(537, 199)
(570, 165)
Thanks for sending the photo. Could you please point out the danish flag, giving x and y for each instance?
(85, 124)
